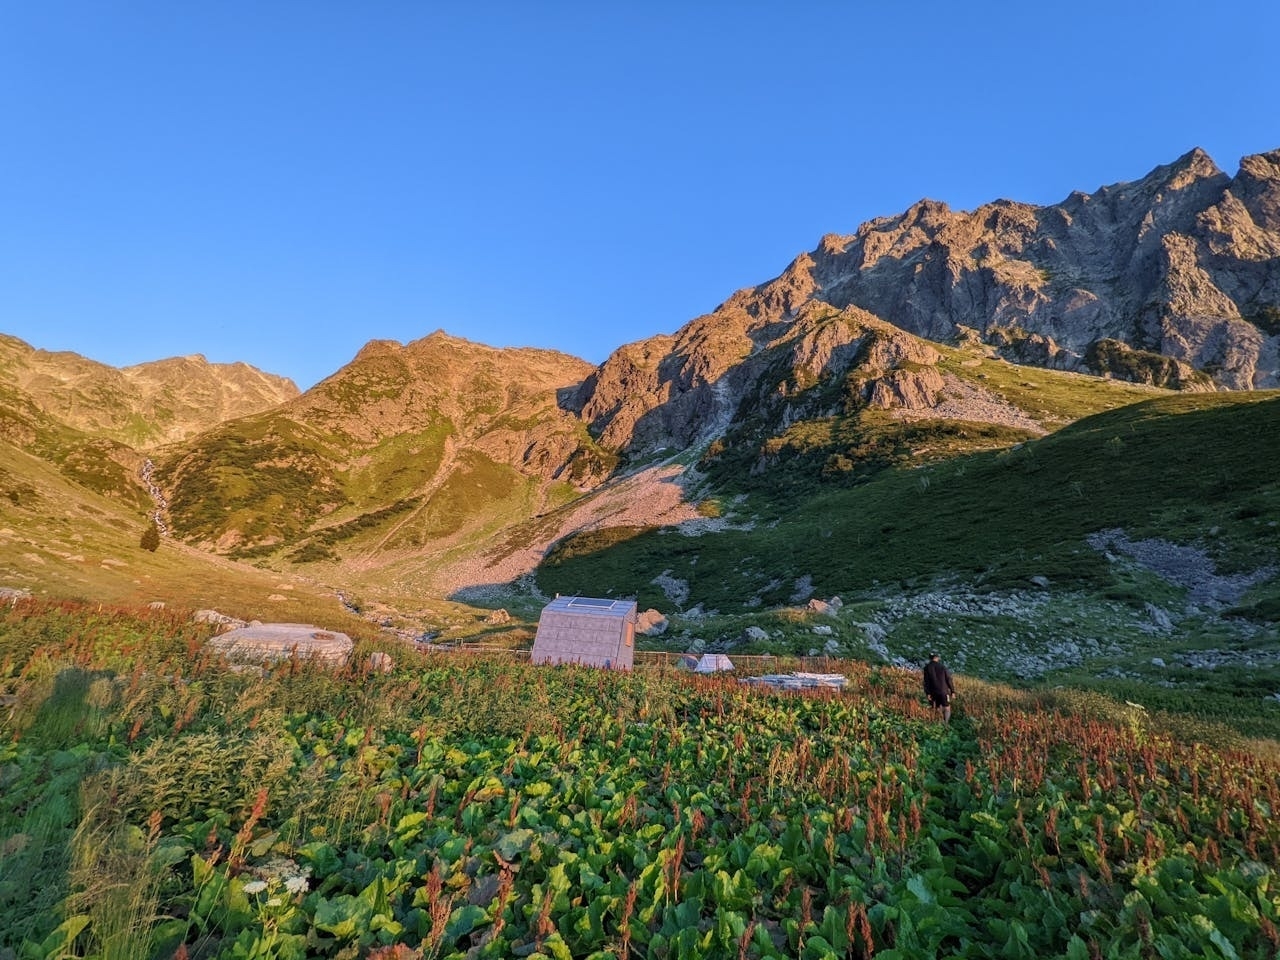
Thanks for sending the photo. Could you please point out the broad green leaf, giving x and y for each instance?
(343, 916)
(57, 944)
(920, 889)
(463, 920)
(410, 825)
(513, 843)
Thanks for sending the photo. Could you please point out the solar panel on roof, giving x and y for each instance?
(590, 602)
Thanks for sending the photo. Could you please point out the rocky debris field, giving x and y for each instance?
(1183, 566)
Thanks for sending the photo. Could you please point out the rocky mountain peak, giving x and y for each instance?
(145, 404)
(1257, 186)
(378, 348)
(1168, 279)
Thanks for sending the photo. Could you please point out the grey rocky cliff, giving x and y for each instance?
(683, 390)
(1172, 280)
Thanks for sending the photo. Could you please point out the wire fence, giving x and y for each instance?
(743, 664)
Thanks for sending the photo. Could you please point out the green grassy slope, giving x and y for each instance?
(61, 539)
(1176, 467)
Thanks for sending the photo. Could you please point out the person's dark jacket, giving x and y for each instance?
(937, 680)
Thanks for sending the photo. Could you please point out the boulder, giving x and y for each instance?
(651, 623)
(498, 617)
(872, 632)
(1159, 618)
(380, 662)
(823, 607)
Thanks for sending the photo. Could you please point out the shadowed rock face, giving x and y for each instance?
(1173, 279)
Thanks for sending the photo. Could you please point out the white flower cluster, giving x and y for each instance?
(277, 871)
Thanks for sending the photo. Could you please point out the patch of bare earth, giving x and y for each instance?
(961, 400)
(653, 497)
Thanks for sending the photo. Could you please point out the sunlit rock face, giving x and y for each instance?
(1173, 280)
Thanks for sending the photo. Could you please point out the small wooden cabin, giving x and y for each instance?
(588, 630)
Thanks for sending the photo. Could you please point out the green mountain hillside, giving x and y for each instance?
(1171, 467)
(407, 451)
(60, 537)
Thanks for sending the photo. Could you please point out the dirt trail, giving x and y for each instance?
(447, 458)
(654, 496)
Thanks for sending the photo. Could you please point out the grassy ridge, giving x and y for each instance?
(1175, 467)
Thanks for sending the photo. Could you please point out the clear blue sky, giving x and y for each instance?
(280, 182)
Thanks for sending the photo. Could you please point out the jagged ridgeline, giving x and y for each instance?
(1171, 281)
(924, 340)
(143, 405)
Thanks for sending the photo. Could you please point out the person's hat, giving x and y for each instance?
(933, 656)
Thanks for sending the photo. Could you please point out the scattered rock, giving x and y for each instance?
(754, 633)
(498, 617)
(1041, 582)
(651, 623)
(872, 632)
(823, 630)
(822, 608)
(1188, 567)
(675, 590)
(221, 619)
(14, 593)
(832, 648)
(1158, 662)
(380, 662)
(276, 597)
(804, 589)
(1159, 617)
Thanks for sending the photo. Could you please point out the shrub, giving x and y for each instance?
(150, 537)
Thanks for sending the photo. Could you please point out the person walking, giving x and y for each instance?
(938, 686)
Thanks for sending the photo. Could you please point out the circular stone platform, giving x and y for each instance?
(280, 641)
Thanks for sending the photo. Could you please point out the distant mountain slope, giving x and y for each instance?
(143, 405)
(1173, 280)
(405, 450)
